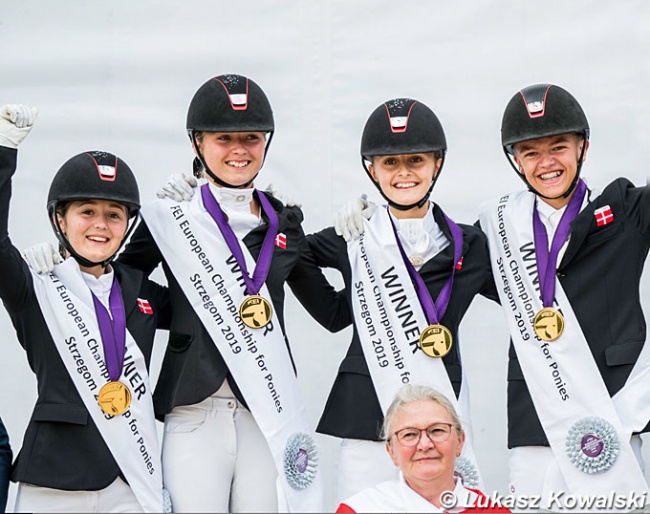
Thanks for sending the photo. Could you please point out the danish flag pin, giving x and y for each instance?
(603, 216)
(281, 241)
(459, 264)
(144, 306)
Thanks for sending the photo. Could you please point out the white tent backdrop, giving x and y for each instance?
(119, 76)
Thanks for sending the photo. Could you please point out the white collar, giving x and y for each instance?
(100, 286)
(411, 229)
(236, 204)
(421, 238)
(232, 199)
(548, 212)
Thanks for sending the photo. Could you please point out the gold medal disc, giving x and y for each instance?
(436, 340)
(255, 311)
(114, 398)
(548, 324)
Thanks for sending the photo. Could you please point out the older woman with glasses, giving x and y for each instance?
(423, 438)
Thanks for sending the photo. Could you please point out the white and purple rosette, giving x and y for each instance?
(466, 471)
(300, 461)
(592, 445)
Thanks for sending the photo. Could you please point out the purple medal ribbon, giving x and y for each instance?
(113, 330)
(266, 252)
(434, 311)
(547, 261)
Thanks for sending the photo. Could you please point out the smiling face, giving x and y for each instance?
(95, 229)
(405, 179)
(235, 157)
(550, 164)
(426, 465)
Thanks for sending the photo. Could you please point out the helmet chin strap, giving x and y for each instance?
(401, 207)
(571, 187)
(213, 176)
(82, 260)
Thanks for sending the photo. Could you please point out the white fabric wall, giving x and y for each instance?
(118, 75)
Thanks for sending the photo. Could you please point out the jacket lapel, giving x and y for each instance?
(254, 239)
(444, 261)
(130, 281)
(579, 230)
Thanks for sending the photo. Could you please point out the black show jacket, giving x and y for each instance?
(62, 448)
(193, 368)
(600, 273)
(352, 409)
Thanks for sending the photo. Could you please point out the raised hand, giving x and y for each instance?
(15, 123)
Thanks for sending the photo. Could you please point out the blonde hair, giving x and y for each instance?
(417, 393)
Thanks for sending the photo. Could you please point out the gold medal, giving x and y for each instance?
(114, 398)
(435, 341)
(255, 311)
(548, 324)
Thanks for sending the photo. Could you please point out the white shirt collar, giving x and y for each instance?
(100, 286)
(550, 216)
(233, 198)
(421, 238)
(236, 204)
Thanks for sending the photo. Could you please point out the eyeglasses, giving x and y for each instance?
(437, 433)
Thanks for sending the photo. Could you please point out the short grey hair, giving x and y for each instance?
(417, 393)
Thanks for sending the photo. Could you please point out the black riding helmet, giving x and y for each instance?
(402, 126)
(538, 111)
(93, 175)
(229, 103)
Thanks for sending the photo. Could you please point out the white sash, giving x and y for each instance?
(389, 318)
(562, 377)
(69, 312)
(259, 360)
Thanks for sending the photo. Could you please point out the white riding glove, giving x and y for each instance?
(348, 221)
(179, 187)
(42, 258)
(286, 200)
(15, 123)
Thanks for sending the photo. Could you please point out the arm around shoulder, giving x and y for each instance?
(141, 252)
